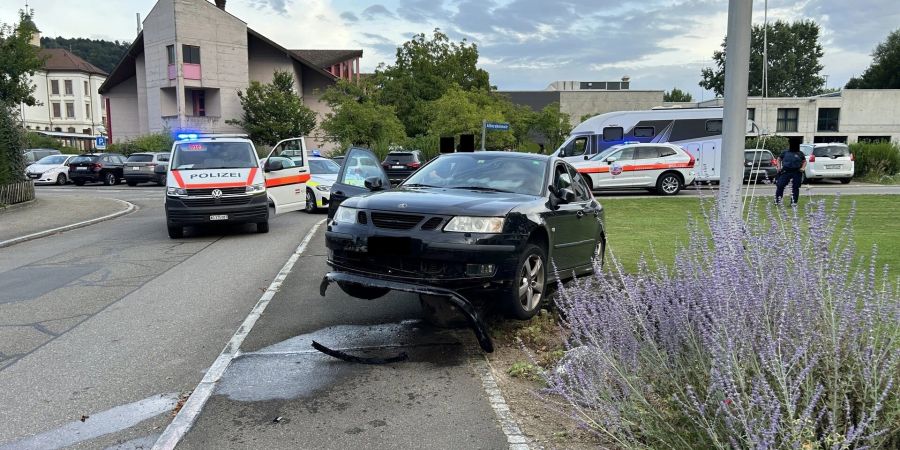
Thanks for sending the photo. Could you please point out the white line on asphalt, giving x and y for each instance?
(191, 410)
(73, 226)
(514, 436)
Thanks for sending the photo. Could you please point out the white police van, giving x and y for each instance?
(217, 178)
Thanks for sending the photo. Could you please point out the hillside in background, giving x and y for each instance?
(103, 54)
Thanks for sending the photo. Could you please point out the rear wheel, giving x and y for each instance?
(525, 295)
(262, 227)
(61, 179)
(668, 184)
(79, 182)
(845, 180)
(363, 292)
(176, 231)
(131, 183)
(109, 179)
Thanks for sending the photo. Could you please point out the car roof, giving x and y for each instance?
(214, 139)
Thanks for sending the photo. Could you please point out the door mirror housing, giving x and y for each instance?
(272, 166)
(566, 195)
(611, 159)
(374, 184)
(587, 157)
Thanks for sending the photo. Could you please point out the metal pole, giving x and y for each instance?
(483, 127)
(737, 74)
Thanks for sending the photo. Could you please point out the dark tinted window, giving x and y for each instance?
(581, 189)
(760, 156)
(714, 126)
(575, 147)
(401, 158)
(190, 54)
(510, 173)
(83, 159)
(613, 134)
(647, 153)
(831, 151)
(666, 151)
(644, 132)
(141, 157)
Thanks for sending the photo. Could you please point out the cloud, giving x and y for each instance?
(349, 16)
(421, 11)
(375, 11)
(279, 6)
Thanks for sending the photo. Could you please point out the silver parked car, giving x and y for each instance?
(145, 167)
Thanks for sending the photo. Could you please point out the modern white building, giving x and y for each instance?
(70, 107)
(186, 66)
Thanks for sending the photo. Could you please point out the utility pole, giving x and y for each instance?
(737, 74)
(483, 130)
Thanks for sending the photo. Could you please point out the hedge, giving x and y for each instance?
(876, 159)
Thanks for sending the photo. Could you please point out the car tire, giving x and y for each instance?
(845, 180)
(79, 182)
(131, 183)
(61, 179)
(161, 182)
(526, 293)
(109, 179)
(440, 313)
(588, 181)
(262, 227)
(176, 231)
(668, 183)
(363, 292)
(310, 201)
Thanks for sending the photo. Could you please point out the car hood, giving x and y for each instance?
(41, 168)
(455, 202)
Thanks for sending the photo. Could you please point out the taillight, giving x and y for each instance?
(413, 165)
(691, 161)
(812, 158)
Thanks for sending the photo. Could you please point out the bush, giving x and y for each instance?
(768, 333)
(12, 144)
(876, 159)
(37, 140)
(775, 144)
(156, 142)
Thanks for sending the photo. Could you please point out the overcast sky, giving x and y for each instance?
(524, 44)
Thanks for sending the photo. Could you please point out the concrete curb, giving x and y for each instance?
(15, 206)
(29, 237)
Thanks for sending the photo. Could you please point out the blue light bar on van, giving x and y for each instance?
(632, 142)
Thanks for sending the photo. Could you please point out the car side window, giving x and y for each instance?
(163, 158)
(358, 167)
(647, 153)
(666, 151)
(292, 150)
(626, 154)
(562, 179)
(582, 194)
(575, 147)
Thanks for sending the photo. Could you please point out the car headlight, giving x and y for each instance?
(176, 192)
(256, 188)
(465, 224)
(323, 188)
(345, 214)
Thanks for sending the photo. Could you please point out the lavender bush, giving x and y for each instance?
(766, 333)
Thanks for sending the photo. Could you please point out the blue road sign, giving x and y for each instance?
(496, 126)
(100, 142)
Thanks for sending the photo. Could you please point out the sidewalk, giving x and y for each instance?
(48, 212)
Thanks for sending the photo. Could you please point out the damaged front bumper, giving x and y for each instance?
(461, 303)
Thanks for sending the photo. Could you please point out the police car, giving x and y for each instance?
(218, 178)
(663, 168)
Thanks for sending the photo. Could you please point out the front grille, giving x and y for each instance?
(432, 223)
(224, 201)
(395, 221)
(225, 191)
(400, 266)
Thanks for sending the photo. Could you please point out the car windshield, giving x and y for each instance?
(323, 167)
(831, 151)
(83, 159)
(52, 159)
(605, 153)
(140, 157)
(503, 173)
(214, 155)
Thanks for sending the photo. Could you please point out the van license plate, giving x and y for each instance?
(832, 166)
(219, 217)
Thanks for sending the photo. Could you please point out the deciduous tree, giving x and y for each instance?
(884, 72)
(677, 95)
(553, 124)
(356, 119)
(274, 111)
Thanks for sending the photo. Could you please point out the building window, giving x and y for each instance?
(787, 119)
(85, 131)
(751, 114)
(69, 89)
(828, 119)
(87, 89)
(54, 87)
(191, 54)
(57, 129)
(27, 127)
(57, 112)
(170, 52)
(71, 130)
(199, 101)
(87, 110)
(70, 110)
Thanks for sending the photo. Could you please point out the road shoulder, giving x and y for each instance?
(49, 215)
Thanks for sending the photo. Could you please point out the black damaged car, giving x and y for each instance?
(487, 226)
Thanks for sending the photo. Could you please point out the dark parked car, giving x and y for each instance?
(142, 167)
(103, 167)
(485, 225)
(401, 164)
(759, 165)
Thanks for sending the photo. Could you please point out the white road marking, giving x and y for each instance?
(191, 410)
(131, 207)
(514, 436)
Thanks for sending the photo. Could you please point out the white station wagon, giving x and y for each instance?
(832, 160)
(663, 168)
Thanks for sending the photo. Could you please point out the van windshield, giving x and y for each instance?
(213, 155)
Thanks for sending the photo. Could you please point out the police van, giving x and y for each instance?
(218, 178)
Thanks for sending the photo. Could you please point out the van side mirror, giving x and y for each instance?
(374, 184)
(272, 166)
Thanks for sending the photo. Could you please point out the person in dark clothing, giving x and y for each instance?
(791, 164)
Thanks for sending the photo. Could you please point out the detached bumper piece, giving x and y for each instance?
(358, 359)
(465, 306)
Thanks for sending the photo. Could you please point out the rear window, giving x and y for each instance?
(162, 157)
(140, 158)
(400, 158)
(831, 151)
(760, 156)
(214, 155)
(83, 159)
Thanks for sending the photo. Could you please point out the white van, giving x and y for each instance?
(697, 130)
(218, 178)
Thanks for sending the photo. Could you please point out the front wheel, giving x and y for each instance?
(310, 201)
(363, 292)
(523, 300)
(176, 231)
(109, 179)
(668, 184)
(61, 179)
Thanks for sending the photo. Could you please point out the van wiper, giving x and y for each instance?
(482, 188)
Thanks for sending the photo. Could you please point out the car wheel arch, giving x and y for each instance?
(673, 172)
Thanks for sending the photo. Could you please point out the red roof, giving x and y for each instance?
(62, 59)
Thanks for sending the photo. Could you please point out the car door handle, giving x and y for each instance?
(580, 213)
(338, 193)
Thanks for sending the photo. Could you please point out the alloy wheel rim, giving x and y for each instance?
(309, 201)
(531, 282)
(669, 184)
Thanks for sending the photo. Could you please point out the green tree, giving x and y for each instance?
(677, 95)
(459, 111)
(554, 125)
(274, 111)
(356, 119)
(793, 61)
(423, 71)
(884, 72)
(103, 54)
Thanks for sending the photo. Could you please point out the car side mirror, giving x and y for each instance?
(374, 184)
(272, 166)
(566, 195)
(586, 157)
(611, 159)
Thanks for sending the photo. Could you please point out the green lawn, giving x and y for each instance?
(637, 225)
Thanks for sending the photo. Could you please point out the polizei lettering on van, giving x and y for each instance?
(216, 175)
